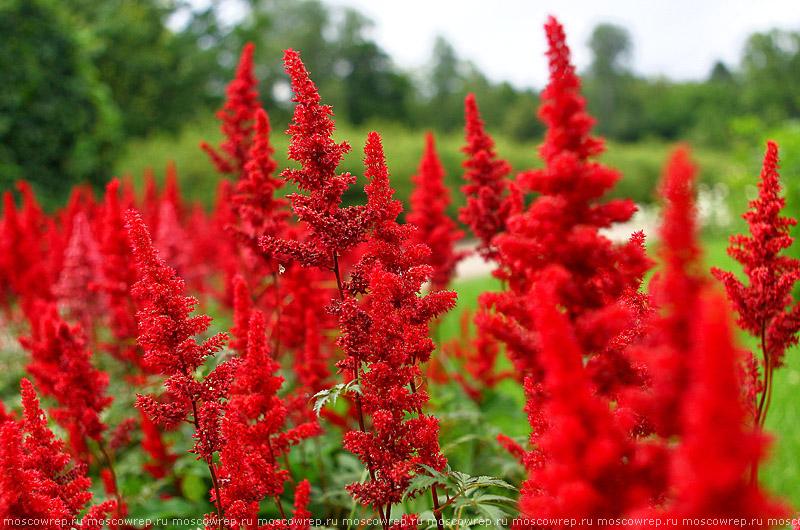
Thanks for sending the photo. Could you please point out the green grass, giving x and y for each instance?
(640, 163)
(780, 473)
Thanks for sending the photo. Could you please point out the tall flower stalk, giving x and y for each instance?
(166, 334)
(765, 306)
(238, 119)
(385, 330)
(429, 201)
(491, 196)
(562, 226)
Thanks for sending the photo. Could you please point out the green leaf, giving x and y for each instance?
(495, 514)
(486, 481)
(332, 394)
(193, 487)
(420, 483)
(490, 498)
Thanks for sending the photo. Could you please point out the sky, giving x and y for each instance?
(680, 39)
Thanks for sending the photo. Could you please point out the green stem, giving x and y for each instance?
(210, 463)
(356, 378)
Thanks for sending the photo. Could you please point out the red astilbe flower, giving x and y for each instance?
(28, 268)
(215, 253)
(5, 415)
(172, 191)
(491, 196)
(161, 460)
(331, 229)
(407, 522)
(708, 471)
(692, 400)
(36, 482)
(562, 226)
(238, 119)
(586, 464)
(676, 292)
(301, 517)
(118, 274)
(75, 291)
(765, 307)
(166, 334)
(428, 213)
(388, 333)
(261, 213)
(253, 428)
(62, 368)
(242, 311)
(172, 241)
(151, 202)
(306, 330)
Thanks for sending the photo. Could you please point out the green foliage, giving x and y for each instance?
(640, 163)
(470, 498)
(58, 125)
(323, 397)
(771, 71)
(157, 77)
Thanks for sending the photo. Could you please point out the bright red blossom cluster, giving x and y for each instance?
(429, 201)
(562, 227)
(331, 229)
(36, 483)
(388, 333)
(238, 118)
(253, 429)
(62, 368)
(491, 196)
(765, 306)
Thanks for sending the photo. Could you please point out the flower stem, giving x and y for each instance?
(766, 397)
(210, 463)
(110, 464)
(359, 408)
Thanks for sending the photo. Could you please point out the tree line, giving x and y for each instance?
(80, 78)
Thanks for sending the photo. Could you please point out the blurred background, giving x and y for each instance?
(92, 90)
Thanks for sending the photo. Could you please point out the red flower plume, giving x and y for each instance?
(62, 367)
(491, 196)
(562, 227)
(332, 229)
(765, 306)
(238, 119)
(389, 335)
(428, 213)
(36, 483)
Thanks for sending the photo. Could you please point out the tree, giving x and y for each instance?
(372, 88)
(611, 50)
(275, 25)
(58, 125)
(771, 71)
(159, 78)
(609, 86)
